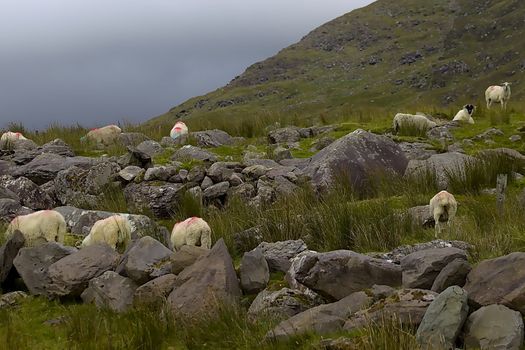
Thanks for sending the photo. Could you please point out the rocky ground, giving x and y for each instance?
(445, 293)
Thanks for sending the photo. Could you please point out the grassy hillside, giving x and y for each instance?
(387, 55)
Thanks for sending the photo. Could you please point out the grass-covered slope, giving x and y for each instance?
(390, 53)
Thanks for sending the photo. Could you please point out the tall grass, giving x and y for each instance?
(387, 334)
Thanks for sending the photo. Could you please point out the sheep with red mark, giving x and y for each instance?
(9, 137)
(104, 136)
(179, 131)
(39, 227)
(192, 231)
(497, 93)
(114, 231)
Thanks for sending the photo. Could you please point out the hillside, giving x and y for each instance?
(388, 54)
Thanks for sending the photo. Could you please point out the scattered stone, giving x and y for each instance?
(161, 200)
(110, 290)
(282, 303)
(29, 193)
(150, 147)
(280, 153)
(284, 135)
(454, 274)
(131, 172)
(254, 272)
(146, 259)
(155, 291)
(12, 299)
(188, 152)
(279, 254)
(399, 253)
(515, 138)
(212, 138)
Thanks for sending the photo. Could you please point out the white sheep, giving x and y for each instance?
(179, 129)
(39, 227)
(114, 231)
(190, 232)
(443, 207)
(465, 115)
(10, 137)
(402, 120)
(104, 136)
(498, 93)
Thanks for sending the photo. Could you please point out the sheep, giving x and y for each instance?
(114, 231)
(190, 232)
(9, 138)
(498, 93)
(39, 227)
(403, 121)
(443, 207)
(465, 114)
(178, 130)
(104, 136)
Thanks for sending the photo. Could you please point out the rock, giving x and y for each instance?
(9, 209)
(515, 138)
(323, 142)
(155, 291)
(206, 284)
(188, 152)
(498, 281)
(6, 167)
(132, 139)
(222, 171)
(254, 272)
(399, 253)
(160, 173)
(71, 274)
(57, 146)
(185, 257)
(352, 156)
(135, 157)
(322, 319)
(8, 194)
(167, 141)
(441, 166)
(284, 135)
(280, 153)
(408, 306)
(8, 252)
(489, 134)
(443, 132)
(244, 191)
(454, 274)
(130, 172)
(248, 239)
(216, 192)
(417, 150)
(339, 273)
(443, 320)
(421, 268)
(46, 166)
(284, 187)
(282, 303)
(279, 254)
(145, 258)
(254, 172)
(494, 327)
(196, 175)
(421, 216)
(212, 138)
(12, 299)
(150, 147)
(110, 290)
(269, 163)
(160, 200)
(32, 265)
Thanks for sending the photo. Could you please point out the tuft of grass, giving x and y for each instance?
(386, 334)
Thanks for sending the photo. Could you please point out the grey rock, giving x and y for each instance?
(323, 142)
(167, 141)
(289, 134)
(130, 172)
(188, 152)
(212, 138)
(196, 175)
(8, 252)
(159, 173)
(417, 150)
(254, 272)
(443, 319)
(6, 167)
(454, 274)
(282, 303)
(248, 239)
(222, 171)
(515, 138)
(421, 216)
(12, 299)
(206, 284)
(339, 273)
(8, 194)
(135, 157)
(352, 156)
(269, 163)
(32, 265)
(132, 139)
(443, 132)
(399, 253)
(280, 153)
(71, 274)
(185, 257)
(254, 172)
(421, 268)
(145, 258)
(30, 194)
(150, 147)
(160, 200)
(155, 291)
(278, 255)
(494, 327)
(10, 209)
(57, 146)
(110, 290)
(489, 134)
(217, 191)
(245, 191)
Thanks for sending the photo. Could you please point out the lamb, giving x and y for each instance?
(104, 136)
(114, 231)
(9, 137)
(465, 114)
(498, 93)
(403, 121)
(190, 232)
(443, 207)
(179, 129)
(39, 227)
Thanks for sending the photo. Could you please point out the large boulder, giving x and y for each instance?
(159, 199)
(32, 265)
(421, 216)
(339, 273)
(188, 153)
(322, 319)
(356, 157)
(454, 274)
(279, 254)
(135, 157)
(206, 284)
(155, 291)
(283, 303)
(254, 272)
(185, 257)
(443, 319)
(71, 274)
(150, 147)
(421, 268)
(8, 252)
(498, 281)
(400, 252)
(30, 194)
(284, 135)
(494, 327)
(212, 138)
(145, 259)
(110, 290)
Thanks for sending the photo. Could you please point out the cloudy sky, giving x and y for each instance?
(100, 61)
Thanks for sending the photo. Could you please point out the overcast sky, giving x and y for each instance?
(101, 61)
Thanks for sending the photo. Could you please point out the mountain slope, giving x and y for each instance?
(390, 53)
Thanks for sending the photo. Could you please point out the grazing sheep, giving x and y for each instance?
(39, 227)
(190, 232)
(403, 121)
(465, 114)
(443, 207)
(104, 136)
(498, 93)
(114, 231)
(180, 129)
(9, 137)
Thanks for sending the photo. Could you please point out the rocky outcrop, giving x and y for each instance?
(160, 200)
(30, 194)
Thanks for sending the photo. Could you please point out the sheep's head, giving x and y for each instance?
(470, 108)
